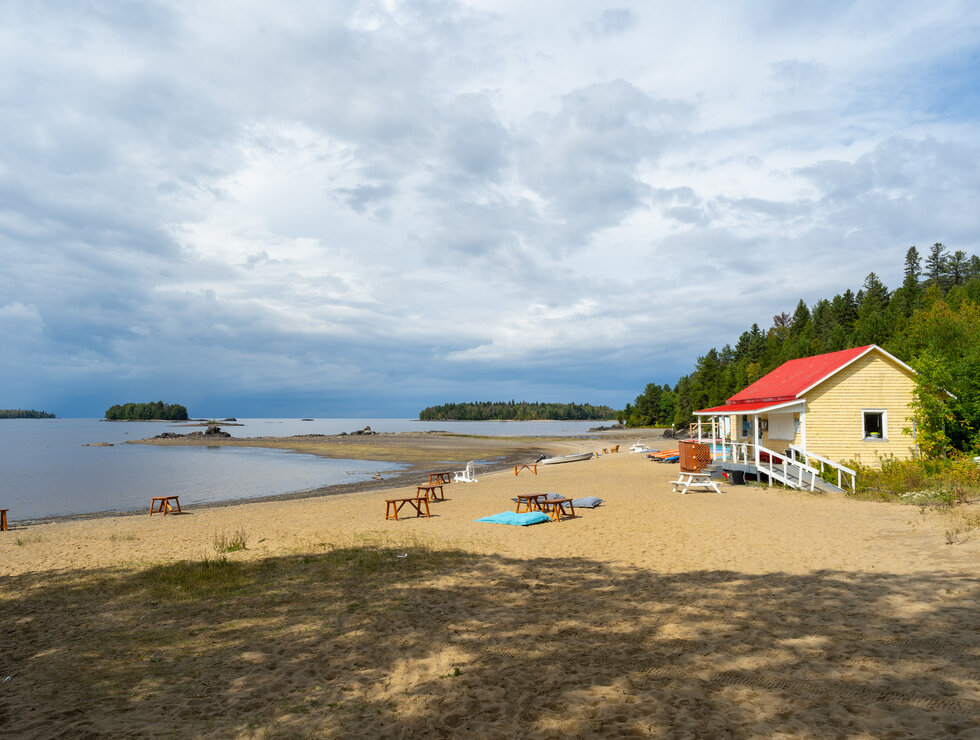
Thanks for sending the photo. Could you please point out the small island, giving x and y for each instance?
(25, 414)
(153, 411)
(516, 411)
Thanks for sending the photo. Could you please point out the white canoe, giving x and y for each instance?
(566, 458)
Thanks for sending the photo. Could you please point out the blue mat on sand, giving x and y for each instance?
(521, 520)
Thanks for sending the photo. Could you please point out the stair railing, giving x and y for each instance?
(842, 470)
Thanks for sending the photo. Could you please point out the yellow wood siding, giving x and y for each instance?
(834, 422)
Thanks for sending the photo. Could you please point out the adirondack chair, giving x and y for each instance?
(466, 476)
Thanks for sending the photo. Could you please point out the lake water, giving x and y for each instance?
(46, 471)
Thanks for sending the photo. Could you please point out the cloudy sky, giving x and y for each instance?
(363, 208)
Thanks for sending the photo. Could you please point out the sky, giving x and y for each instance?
(359, 209)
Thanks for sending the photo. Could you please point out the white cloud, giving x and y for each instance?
(403, 200)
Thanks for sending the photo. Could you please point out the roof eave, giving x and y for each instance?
(763, 410)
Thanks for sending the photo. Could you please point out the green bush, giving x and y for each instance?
(920, 481)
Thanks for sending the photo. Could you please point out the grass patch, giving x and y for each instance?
(21, 541)
(963, 524)
(224, 543)
(187, 580)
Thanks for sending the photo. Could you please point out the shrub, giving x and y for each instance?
(920, 481)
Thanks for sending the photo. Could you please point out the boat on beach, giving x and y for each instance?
(565, 458)
(640, 446)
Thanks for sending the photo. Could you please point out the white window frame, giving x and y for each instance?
(884, 425)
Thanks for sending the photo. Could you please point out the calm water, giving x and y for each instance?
(46, 471)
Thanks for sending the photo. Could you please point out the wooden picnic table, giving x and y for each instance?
(394, 505)
(556, 508)
(428, 491)
(440, 477)
(533, 467)
(161, 504)
(530, 501)
(694, 480)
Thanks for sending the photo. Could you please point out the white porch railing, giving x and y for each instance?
(842, 470)
(788, 472)
(791, 472)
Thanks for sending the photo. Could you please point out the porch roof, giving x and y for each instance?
(753, 407)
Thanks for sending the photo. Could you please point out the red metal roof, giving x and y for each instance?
(790, 379)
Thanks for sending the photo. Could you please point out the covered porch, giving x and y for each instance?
(767, 438)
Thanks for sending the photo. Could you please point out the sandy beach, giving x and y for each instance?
(753, 613)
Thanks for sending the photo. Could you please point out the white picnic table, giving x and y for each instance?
(695, 480)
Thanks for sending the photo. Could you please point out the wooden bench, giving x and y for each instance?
(161, 505)
(529, 502)
(428, 491)
(533, 467)
(394, 505)
(695, 480)
(440, 477)
(3, 520)
(556, 508)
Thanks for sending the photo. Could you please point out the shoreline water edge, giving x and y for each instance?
(375, 460)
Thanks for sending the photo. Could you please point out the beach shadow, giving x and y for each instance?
(390, 642)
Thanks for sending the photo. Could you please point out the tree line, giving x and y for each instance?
(516, 411)
(25, 414)
(152, 411)
(931, 322)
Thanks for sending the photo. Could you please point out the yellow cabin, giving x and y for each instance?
(818, 411)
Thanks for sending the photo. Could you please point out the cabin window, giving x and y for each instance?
(875, 424)
(746, 427)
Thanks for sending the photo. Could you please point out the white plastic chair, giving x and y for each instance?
(466, 476)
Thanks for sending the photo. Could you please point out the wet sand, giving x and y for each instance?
(756, 612)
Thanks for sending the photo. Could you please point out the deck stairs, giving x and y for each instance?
(787, 470)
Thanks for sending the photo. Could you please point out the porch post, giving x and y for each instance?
(803, 429)
(714, 430)
(755, 437)
(724, 439)
(699, 430)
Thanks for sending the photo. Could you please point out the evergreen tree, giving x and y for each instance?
(822, 323)
(665, 416)
(874, 295)
(973, 268)
(957, 267)
(909, 294)
(936, 265)
(801, 319)
(845, 310)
